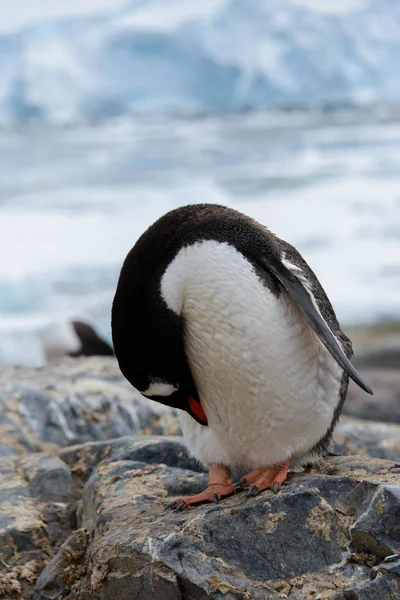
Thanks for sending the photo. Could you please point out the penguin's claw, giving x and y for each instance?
(263, 479)
(253, 491)
(238, 485)
(245, 482)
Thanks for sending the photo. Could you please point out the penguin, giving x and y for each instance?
(216, 316)
(73, 338)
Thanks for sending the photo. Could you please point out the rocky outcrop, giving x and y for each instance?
(73, 402)
(37, 497)
(63, 573)
(87, 521)
(332, 531)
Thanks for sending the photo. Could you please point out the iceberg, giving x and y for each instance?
(175, 56)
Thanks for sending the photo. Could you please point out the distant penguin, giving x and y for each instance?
(73, 338)
(218, 317)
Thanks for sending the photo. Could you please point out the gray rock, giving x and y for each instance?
(58, 578)
(297, 544)
(13, 441)
(170, 451)
(75, 401)
(377, 530)
(20, 519)
(384, 588)
(361, 436)
(49, 478)
(384, 405)
(328, 533)
(391, 564)
(34, 518)
(82, 459)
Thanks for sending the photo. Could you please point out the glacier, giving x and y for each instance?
(175, 56)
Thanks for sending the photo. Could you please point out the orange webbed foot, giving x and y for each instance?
(220, 485)
(263, 479)
(213, 493)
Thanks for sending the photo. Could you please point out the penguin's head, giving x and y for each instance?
(157, 366)
(151, 355)
(148, 334)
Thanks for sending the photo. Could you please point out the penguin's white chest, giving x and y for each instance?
(267, 384)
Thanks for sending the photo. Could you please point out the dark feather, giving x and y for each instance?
(303, 298)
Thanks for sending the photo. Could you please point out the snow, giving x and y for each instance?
(209, 56)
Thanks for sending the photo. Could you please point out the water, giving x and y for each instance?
(73, 201)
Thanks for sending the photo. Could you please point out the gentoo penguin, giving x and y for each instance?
(218, 317)
(73, 338)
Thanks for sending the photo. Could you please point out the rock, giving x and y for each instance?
(384, 588)
(332, 532)
(322, 534)
(359, 436)
(13, 441)
(82, 459)
(49, 478)
(384, 405)
(75, 401)
(382, 356)
(58, 578)
(20, 519)
(34, 518)
(378, 529)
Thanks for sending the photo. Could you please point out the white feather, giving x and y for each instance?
(267, 384)
(300, 275)
(159, 388)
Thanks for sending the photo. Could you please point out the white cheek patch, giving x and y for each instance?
(159, 388)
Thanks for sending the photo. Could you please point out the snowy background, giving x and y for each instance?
(112, 113)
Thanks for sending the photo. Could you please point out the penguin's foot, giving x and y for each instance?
(263, 479)
(220, 485)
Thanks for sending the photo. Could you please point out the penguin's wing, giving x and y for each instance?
(298, 287)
